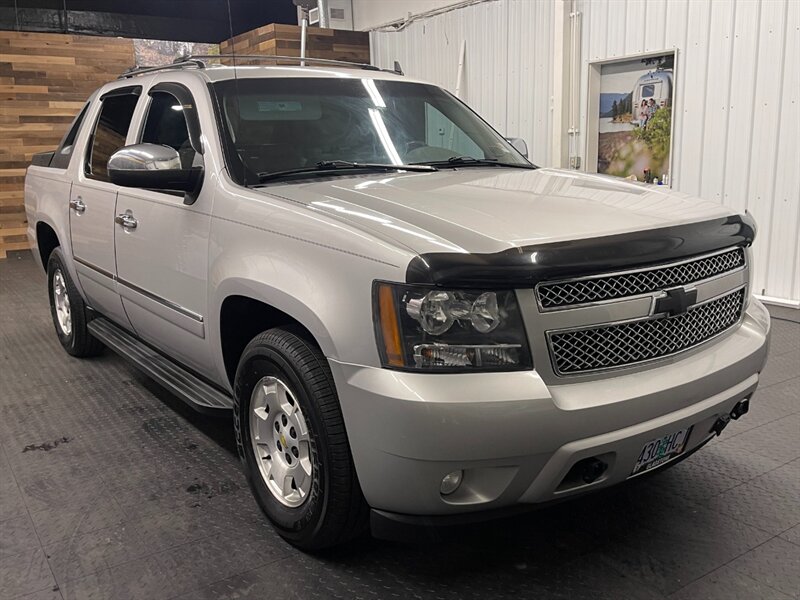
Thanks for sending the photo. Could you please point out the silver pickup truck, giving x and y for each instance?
(410, 321)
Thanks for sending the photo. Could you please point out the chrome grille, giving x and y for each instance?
(634, 342)
(608, 287)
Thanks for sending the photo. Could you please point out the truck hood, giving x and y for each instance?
(489, 210)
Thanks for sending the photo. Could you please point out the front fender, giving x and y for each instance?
(326, 290)
(314, 267)
(276, 298)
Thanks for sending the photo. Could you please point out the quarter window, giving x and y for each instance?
(110, 132)
(64, 153)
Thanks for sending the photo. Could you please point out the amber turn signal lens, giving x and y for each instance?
(390, 330)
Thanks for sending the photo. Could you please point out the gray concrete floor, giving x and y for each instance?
(112, 488)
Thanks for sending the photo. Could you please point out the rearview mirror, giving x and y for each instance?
(155, 167)
(519, 145)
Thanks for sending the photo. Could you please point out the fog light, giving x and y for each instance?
(450, 482)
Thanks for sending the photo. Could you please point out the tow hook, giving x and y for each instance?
(740, 409)
(720, 424)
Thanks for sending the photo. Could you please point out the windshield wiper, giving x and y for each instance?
(470, 161)
(330, 166)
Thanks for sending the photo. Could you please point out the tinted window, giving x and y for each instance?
(648, 90)
(280, 124)
(166, 124)
(110, 132)
(64, 152)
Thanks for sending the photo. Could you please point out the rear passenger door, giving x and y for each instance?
(93, 203)
(162, 263)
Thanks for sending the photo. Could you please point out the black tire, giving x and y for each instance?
(334, 511)
(78, 342)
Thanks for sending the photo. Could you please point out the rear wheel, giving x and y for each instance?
(70, 314)
(292, 441)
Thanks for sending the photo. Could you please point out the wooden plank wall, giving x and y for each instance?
(45, 79)
(284, 40)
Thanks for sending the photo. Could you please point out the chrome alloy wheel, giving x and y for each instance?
(281, 441)
(61, 301)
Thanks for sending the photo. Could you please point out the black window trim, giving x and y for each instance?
(135, 90)
(236, 168)
(129, 90)
(184, 96)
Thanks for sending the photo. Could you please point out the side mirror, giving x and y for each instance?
(155, 167)
(519, 145)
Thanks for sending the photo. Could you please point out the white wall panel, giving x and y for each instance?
(615, 27)
(373, 13)
(636, 14)
(530, 76)
(508, 67)
(687, 171)
(654, 19)
(717, 93)
(737, 112)
(786, 215)
(768, 119)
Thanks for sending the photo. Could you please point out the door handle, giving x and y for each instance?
(126, 219)
(77, 205)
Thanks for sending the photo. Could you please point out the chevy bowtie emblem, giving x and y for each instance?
(676, 301)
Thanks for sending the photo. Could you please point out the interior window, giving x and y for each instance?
(166, 125)
(110, 132)
(64, 153)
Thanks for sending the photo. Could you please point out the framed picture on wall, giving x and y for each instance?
(630, 118)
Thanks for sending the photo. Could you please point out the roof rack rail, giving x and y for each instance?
(179, 63)
(293, 59)
(199, 61)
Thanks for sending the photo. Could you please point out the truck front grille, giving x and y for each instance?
(632, 283)
(621, 344)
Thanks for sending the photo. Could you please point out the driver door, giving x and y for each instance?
(162, 249)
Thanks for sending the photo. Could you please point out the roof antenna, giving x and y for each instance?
(397, 68)
(233, 49)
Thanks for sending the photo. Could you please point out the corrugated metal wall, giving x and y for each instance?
(737, 105)
(737, 108)
(508, 68)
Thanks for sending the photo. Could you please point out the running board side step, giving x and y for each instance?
(186, 386)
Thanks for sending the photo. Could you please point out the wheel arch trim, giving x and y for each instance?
(272, 298)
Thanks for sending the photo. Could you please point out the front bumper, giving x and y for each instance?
(517, 438)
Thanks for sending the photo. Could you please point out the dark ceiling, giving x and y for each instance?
(179, 20)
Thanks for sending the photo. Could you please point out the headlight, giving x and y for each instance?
(432, 329)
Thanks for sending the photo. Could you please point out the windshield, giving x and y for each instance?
(281, 124)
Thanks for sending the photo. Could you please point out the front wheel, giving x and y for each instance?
(292, 441)
(70, 314)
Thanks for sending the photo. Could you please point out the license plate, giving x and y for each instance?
(657, 452)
